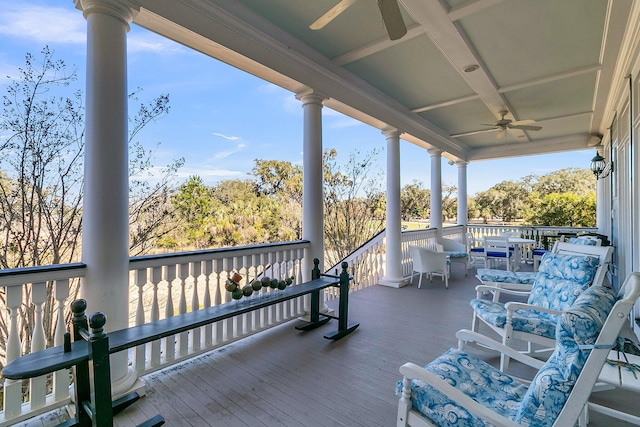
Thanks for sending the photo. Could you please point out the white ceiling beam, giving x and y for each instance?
(548, 146)
(469, 7)
(445, 103)
(376, 46)
(552, 78)
(455, 47)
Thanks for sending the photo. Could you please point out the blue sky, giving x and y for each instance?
(221, 118)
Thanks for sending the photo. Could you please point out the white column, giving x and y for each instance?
(393, 276)
(105, 227)
(436, 189)
(463, 210)
(312, 192)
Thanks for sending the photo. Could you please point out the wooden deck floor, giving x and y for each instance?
(283, 377)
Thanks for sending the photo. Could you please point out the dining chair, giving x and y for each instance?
(497, 249)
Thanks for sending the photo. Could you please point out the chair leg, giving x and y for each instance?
(420, 280)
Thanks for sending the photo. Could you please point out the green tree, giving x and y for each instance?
(563, 210)
(569, 180)
(352, 203)
(415, 201)
(449, 201)
(41, 185)
(283, 181)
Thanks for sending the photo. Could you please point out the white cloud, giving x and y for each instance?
(223, 154)
(61, 25)
(227, 137)
(43, 24)
(146, 41)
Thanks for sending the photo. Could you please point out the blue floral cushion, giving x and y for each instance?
(482, 382)
(504, 276)
(580, 325)
(581, 241)
(528, 321)
(560, 280)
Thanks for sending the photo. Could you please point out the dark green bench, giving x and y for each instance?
(88, 354)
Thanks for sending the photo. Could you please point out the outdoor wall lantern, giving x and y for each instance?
(599, 167)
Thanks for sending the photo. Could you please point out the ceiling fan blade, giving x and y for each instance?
(523, 122)
(390, 11)
(331, 14)
(473, 132)
(525, 127)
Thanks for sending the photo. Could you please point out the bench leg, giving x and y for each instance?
(344, 327)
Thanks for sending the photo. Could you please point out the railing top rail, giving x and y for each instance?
(158, 260)
(42, 273)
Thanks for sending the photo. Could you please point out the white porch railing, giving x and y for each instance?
(166, 285)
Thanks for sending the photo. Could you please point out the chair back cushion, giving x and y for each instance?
(552, 385)
(560, 280)
(586, 242)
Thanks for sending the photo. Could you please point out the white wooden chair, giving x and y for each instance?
(426, 261)
(497, 249)
(475, 251)
(462, 390)
(563, 276)
(456, 251)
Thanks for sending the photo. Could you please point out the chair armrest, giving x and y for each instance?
(466, 336)
(411, 371)
(511, 306)
(499, 289)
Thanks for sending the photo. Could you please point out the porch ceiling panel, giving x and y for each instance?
(460, 117)
(553, 61)
(559, 98)
(408, 74)
(521, 41)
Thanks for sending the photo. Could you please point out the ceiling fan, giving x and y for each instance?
(389, 9)
(502, 125)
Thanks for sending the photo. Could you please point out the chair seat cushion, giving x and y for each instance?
(499, 254)
(503, 276)
(456, 254)
(478, 249)
(529, 321)
(482, 382)
(539, 252)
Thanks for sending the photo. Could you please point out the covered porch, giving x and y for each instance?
(351, 381)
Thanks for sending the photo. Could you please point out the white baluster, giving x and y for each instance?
(140, 279)
(298, 279)
(195, 269)
(183, 337)
(156, 278)
(238, 321)
(220, 298)
(60, 378)
(206, 301)
(13, 388)
(170, 342)
(38, 385)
